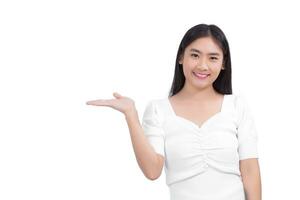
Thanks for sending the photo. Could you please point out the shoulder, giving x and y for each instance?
(158, 103)
(239, 100)
(242, 107)
(157, 107)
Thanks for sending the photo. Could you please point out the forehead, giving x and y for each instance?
(206, 45)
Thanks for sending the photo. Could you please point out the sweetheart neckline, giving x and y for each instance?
(194, 123)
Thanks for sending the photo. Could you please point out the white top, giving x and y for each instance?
(203, 162)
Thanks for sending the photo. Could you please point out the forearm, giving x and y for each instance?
(145, 155)
(252, 185)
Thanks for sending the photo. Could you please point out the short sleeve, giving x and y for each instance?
(151, 124)
(246, 130)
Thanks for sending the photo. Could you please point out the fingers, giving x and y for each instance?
(105, 102)
(90, 102)
(99, 102)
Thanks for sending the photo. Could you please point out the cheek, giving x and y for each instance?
(215, 73)
(216, 67)
(188, 69)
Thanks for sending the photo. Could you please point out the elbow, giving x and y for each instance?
(153, 176)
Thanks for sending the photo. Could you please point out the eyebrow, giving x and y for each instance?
(198, 51)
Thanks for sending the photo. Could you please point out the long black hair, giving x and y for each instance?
(223, 83)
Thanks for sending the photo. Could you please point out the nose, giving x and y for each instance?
(202, 64)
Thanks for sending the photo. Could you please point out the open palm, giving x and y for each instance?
(121, 103)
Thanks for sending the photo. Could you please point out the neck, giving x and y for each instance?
(192, 93)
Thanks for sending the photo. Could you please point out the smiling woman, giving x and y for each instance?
(205, 133)
(213, 57)
(204, 58)
(202, 134)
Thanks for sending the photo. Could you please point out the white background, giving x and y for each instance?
(56, 55)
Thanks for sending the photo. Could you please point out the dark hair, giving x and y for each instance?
(223, 83)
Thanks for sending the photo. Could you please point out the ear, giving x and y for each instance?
(223, 66)
(180, 59)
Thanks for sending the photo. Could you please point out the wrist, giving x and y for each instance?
(131, 113)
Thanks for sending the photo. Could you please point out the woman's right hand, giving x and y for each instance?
(121, 103)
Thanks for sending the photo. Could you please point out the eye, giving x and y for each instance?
(194, 55)
(214, 58)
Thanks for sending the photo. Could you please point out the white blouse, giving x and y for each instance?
(203, 162)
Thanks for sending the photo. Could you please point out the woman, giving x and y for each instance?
(202, 134)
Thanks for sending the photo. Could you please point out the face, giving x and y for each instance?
(202, 62)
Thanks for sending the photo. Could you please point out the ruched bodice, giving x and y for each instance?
(195, 154)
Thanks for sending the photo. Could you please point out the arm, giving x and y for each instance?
(250, 173)
(148, 160)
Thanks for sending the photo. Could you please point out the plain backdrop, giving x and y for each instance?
(56, 55)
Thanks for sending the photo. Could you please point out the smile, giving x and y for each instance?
(201, 76)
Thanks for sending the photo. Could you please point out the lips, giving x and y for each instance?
(201, 75)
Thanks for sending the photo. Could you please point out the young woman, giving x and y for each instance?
(202, 134)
